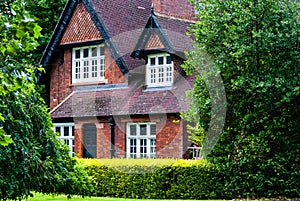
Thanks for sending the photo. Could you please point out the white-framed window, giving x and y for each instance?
(88, 64)
(141, 140)
(159, 70)
(66, 133)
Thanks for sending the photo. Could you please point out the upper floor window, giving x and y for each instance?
(159, 70)
(88, 64)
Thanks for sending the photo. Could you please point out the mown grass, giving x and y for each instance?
(41, 197)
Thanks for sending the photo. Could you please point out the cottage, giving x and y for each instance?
(113, 77)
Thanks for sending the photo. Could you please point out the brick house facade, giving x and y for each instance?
(114, 79)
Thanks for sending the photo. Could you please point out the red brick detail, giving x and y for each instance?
(169, 139)
(81, 27)
(112, 73)
(180, 9)
(60, 82)
(178, 70)
(154, 42)
(78, 140)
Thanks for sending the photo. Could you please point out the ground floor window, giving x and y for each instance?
(66, 133)
(141, 140)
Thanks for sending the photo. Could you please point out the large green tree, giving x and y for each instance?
(31, 156)
(255, 48)
(46, 13)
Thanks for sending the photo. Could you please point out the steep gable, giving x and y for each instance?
(81, 28)
(152, 37)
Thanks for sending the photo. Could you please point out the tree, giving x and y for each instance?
(33, 158)
(46, 14)
(255, 48)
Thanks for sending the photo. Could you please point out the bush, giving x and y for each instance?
(152, 178)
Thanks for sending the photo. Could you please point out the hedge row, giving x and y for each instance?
(152, 178)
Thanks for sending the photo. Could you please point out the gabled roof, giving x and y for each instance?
(63, 24)
(121, 23)
(152, 31)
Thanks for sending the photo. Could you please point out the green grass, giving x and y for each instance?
(41, 197)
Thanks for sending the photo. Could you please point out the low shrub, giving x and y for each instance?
(152, 178)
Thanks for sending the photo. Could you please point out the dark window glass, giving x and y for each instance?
(169, 60)
(152, 61)
(101, 51)
(143, 129)
(85, 53)
(152, 129)
(66, 131)
(57, 129)
(77, 54)
(160, 60)
(94, 52)
(132, 129)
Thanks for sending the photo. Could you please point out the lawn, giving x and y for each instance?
(40, 197)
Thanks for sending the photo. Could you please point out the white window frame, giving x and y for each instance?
(68, 139)
(159, 75)
(90, 68)
(148, 141)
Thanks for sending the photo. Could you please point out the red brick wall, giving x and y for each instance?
(61, 76)
(179, 8)
(60, 79)
(170, 138)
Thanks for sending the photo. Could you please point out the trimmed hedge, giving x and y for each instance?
(152, 178)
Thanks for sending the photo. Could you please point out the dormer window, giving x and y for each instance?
(159, 70)
(88, 64)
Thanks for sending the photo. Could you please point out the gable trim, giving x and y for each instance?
(151, 26)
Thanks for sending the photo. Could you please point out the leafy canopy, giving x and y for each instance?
(33, 159)
(255, 48)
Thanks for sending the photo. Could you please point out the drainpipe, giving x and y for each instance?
(112, 136)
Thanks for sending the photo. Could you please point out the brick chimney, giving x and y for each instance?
(175, 8)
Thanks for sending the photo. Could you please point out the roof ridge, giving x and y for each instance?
(175, 18)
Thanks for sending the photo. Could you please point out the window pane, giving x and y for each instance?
(143, 129)
(94, 52)
(169, 60)
(57, 129)
(160, 60)
(77, 54)
(152, 129)
(152, 61)
(101, 51)
(66, 130)
(132, 130)
(86, 53)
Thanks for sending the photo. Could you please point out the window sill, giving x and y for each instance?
(158, 88)
(89, 83)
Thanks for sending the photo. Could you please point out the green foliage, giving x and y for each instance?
(255, 48)
(45, 14)
(152, 178)
(33, 158)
